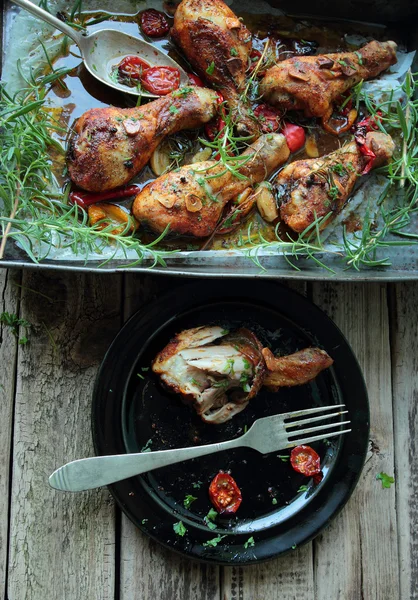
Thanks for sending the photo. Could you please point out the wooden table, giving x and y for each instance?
(56, 546)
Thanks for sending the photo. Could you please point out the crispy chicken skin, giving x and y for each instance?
(111, 145)
(313, 188)
(191, 204)
(209, 32)
(313, 83)
(218, 372)
(295, 369)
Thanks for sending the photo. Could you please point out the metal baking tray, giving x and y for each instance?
(403, 14)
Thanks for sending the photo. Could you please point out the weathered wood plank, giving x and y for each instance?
(62, 545)
(9, 302)
(358, 557)
(148, 570)
(404, 330)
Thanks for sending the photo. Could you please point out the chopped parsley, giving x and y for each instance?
(224, 331)
(229, 367)
(214, 541)
(144, 521)
(339, 169)
(223, 383)
(274, 501)
(303, 488)
(210, 517)
(188, 500)
(284, 457)
(386, 479)
(147, 448)
(182, 92)
(249, 543)
(294, 547)
(194, 381)
(179, 528)
(196, 485)
(342, 62)
(173, 109)
(333, 192)
(360, 58)
(233, 52)
(211, 68)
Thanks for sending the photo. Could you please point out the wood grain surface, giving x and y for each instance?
(56, 546)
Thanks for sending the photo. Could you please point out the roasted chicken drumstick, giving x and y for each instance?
(218, 46)
(192, 204)
(313, 83)
(313, 188)
(111, 145)
(219, 372)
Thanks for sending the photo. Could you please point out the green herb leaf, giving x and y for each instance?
(303, 488)
(147, 448)
(197, 484)
(173, 109)
(386, 479)
(188, 500)
(211, 68)
(234, 52)
(249, 543)
(274, 501)
(179, 528)
(214, 541)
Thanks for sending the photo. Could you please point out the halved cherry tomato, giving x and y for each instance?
(224, 493)
(154, 23)
(295, 136)
(161, 80)
(268, 116)
(305, 460)
(195, 80)
(133, 67)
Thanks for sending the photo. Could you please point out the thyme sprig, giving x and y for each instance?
(33, 209)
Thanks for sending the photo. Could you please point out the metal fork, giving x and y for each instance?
(269, 434)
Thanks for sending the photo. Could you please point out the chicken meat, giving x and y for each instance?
(191, 200)
(313, 83)
(313, 188)
(218, 45)
(219, 372)
(111, 145)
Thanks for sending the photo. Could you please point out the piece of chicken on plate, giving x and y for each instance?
(218, 372)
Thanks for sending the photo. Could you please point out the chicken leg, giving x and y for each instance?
(192, 199)
(111, 145)
(218, 46)
(313, 83)
(309, 189)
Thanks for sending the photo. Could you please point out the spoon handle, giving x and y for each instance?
(88, 473)
(46, 16)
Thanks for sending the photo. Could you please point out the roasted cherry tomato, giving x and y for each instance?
(161, 80)
(305, 460)
(132, 67)
(214, 126)
(195, 80)
(295, 136)
(154, 23)
(224, 493)
(268, 116)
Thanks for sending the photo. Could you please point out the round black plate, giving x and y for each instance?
(132, 412)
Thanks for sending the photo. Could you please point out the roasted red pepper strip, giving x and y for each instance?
(84, 199)
(305, 460)
(368, 152)
(370, 123)
(224, 493)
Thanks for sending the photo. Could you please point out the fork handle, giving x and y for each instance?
(88, 473)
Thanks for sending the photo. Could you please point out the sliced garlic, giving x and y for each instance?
(266, 202)
(193, 203)
(200, 156)
(160, 160)
(311, 147)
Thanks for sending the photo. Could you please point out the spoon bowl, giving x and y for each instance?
(104, 49)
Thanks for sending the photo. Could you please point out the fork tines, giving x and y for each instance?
(323, 429)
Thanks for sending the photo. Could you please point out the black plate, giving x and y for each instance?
(131, 407)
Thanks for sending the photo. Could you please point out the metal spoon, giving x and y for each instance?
(107, 47)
